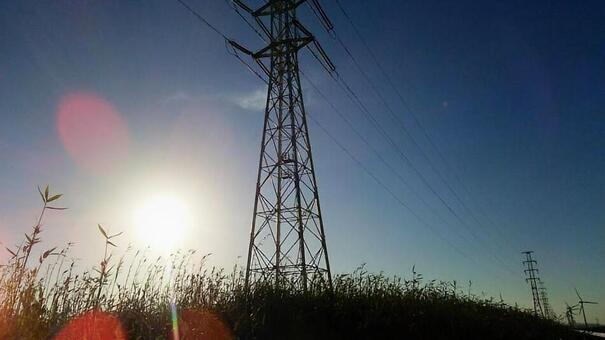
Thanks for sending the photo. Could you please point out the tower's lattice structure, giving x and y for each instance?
(548, 312)
(531, 277)
(287, 239)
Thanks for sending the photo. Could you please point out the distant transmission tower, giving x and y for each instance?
(548, 313)
(287, 240)
(569, 314)
(531, 273)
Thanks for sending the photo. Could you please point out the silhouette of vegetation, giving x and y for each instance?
(138, 295)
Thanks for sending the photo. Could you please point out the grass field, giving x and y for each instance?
(134, 297)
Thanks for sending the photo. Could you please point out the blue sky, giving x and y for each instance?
(511, 93)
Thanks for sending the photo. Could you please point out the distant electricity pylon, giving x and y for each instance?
(287, 240)
(548, 312)
(531, 277)
(582, 302)
(569, 314)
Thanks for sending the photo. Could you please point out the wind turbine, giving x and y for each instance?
(582, 302)
(569, 313)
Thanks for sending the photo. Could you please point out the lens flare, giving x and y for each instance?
(174, 320)
(92, 131)
(93, 325)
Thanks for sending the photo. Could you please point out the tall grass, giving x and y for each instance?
(38, 298)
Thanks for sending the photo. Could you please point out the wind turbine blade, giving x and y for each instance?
(578, 294)
(591, 302)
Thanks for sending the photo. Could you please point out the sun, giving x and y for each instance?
(162, 222)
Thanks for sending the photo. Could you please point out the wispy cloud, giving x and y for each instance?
(251, 101)
(254, 101)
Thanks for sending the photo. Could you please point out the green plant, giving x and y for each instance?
(105, 269)
(362, 305)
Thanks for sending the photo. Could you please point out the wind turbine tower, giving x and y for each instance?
(582, 302)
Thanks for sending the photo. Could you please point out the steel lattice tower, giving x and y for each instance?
(548, 313)
(287, 239)
(531, 273)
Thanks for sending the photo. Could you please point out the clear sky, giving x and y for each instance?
(512, 94)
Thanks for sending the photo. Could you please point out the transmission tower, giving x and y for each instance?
(531, 273)
(287, 239)
(569, 314)
(548, 313)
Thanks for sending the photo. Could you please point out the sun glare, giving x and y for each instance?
(162, 222)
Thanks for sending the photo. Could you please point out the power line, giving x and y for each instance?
(392, 142)
(353, 97)
(233, 6)
(202, 19)
(232, 51)
(366, 142)
(374, 122)
(405, 158)
(432, 144)
(375, 177)
(422, 129)
(383, 185)
(375, 151)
